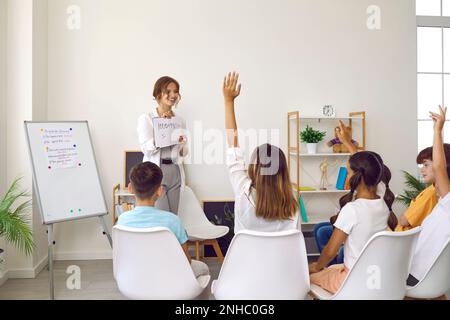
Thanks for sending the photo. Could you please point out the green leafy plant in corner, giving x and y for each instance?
(309, 135)
(413, 188)
(14, 222)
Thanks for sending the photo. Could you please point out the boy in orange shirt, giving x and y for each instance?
(424, 203)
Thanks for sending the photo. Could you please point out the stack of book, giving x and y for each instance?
(343, 180)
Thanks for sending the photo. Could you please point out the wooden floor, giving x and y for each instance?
(97, 283)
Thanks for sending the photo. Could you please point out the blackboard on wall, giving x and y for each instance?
(132, 158)
(220, 213)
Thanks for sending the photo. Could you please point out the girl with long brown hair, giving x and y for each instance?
(263, 192)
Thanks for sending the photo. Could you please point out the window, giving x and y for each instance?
(446, 8)
(428, 7)
(433, 65)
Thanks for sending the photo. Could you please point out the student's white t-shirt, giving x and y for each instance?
(434, 235)
(360, 220)
(244, 208)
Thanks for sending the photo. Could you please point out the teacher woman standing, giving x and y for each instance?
(167, 95)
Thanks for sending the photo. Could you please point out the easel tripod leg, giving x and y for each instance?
(50, 261)
(105, 230)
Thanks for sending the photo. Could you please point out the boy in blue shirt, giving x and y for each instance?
(145, 184)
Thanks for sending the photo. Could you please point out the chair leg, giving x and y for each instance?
(202, 251)
(216, 247)
(312, 295)
(197, 254)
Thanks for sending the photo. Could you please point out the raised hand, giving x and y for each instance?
(439, 119)
(442, 183)
(343, 133)
(231, 89)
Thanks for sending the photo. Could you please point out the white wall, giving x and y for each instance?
(39, 111)
(2, 96)
(18, 104)
(2, 111)
(292, 55)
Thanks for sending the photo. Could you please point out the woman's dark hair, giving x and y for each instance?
(369, 167)
(366, 166)
(161, 86)
(146, 178)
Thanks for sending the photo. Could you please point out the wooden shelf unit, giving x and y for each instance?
(295, 152)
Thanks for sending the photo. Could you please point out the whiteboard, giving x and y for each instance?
(65, 173)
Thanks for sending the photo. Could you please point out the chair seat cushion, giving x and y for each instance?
(213, 285)
(206, 232)
(320, 293)
(203, 281)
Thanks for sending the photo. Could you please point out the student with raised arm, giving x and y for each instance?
(356, 223)
(436, 227)
(425, 202)
(324, 230)
(264, 200)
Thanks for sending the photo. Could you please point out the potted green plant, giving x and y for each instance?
(14, 222)
(312, 137)
(414, 188)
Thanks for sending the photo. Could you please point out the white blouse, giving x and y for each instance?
(245, 204)
(151, 153)
(360, 220)
(434, 235)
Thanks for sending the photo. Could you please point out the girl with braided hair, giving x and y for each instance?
(324, 230)
(363, 214)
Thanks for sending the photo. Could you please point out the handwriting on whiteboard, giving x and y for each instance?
(60, 148)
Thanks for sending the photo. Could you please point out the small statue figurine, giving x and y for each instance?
(324, 173)
(337, 145)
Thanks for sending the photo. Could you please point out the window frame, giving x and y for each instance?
(441, 22)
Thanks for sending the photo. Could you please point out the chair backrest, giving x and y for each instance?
(382, 268)
(264, 266)
(437, 279)
(190, 211)
(150, 264)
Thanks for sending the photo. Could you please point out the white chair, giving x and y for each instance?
(150, 264)
(380, 271)
(199, 229)
(264, 266)
(436, 282)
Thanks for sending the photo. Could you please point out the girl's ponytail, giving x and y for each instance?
(389, 198)
(354, 182)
